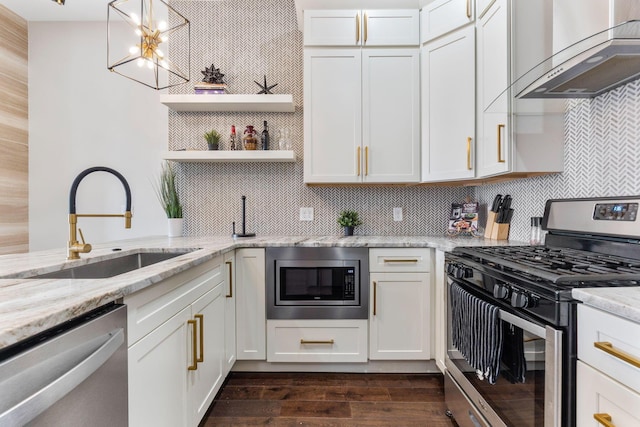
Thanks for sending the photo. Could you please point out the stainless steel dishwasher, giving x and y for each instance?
(72, 375)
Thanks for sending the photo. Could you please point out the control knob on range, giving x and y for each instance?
(519, 299)
(501, 291)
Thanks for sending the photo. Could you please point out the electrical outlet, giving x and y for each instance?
(397, 214)
(306, 214)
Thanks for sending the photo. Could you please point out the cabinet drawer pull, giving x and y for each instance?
(400, 260)
(194, 345)
(230, 265)
(375, 297)
(200, 318)
(303, 341)
(469, 153)
(469, 9)
(366, 160)
(358, 157)
(365, 27)
(500, 129)
(357, 27)
(604, 419)
(607, 347)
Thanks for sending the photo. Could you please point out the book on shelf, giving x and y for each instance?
(209, 91)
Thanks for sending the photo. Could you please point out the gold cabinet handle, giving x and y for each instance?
(230, 265)
(469, 9)
(358, 157)
(194, 345)
(500, 129)
(358, 27)
(366, 160)
(375, 297)
(303, 341)
(607, 347)
(366, 21)
(469, 153)
(200, 318)
(400, 260)
(604, 419)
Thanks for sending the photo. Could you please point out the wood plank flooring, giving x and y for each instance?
(329, 400)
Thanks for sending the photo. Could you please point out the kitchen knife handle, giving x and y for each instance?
(358, 156)
(469, 9)
(469, 153)
(500, 129)
(604, 419)
(358, 27)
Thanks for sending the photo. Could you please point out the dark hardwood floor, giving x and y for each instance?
(329, 399)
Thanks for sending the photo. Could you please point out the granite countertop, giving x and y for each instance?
(30, 306)
(623, 302)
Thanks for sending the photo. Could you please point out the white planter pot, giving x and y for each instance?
(175, 227)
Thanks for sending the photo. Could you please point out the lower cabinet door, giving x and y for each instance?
(206, 379)
(157, 375)
(399, 316)
(600, 397)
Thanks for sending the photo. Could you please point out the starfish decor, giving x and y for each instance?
(265, 89)
(212, 75)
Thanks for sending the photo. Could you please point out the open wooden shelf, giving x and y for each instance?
(230, 156)
(230, 102)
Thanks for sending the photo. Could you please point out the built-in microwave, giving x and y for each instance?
(317, 283)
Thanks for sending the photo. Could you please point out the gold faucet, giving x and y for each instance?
(75, 247)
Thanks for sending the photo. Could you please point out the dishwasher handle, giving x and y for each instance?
(32, 406)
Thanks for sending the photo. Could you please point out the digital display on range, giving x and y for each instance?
(615, 212)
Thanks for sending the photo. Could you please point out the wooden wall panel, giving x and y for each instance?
(14, 133)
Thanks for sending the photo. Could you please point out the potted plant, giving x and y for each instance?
(213, 139)
(349, 219)
(168, 197)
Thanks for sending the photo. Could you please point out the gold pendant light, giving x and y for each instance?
(138, 32)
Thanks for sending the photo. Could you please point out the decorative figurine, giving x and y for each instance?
(249, 138)
(265, 89)
(212, 75)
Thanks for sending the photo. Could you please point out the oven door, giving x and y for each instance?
(536, 401)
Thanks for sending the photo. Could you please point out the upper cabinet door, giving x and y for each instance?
(390, 27)
(448, 106)
(332, 28)
(391, 115)
(443, 16)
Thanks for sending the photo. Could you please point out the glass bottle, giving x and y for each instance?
(233, 145)
(535, 238)
(264, 137)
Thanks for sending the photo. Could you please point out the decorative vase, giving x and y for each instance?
(249, 138)
(175, 227)
(212, 146)
(348, 231)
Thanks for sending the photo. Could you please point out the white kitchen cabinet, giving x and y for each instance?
(608, 369)
(448, 106)
(361, 27)
(515, 136)
(442, 16)
(250, 304)
(229, 311)
(361, 120)
(323, 340)
(171, 326)
(400, 300)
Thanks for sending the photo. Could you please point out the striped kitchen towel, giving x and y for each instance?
(476, 332)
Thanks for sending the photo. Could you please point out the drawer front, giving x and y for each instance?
(149, 308)
(599, 394)
(405, 260)
(316, 341)
(605, 341)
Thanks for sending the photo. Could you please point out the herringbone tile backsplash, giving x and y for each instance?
(601, 154)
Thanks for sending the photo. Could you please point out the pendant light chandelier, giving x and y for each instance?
(137, 36)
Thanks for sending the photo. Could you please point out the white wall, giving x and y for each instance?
(81, 115)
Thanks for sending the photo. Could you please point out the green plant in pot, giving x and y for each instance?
(213, 139)
(349, 219)
(168, 197)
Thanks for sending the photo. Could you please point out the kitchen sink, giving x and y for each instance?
(107, 268)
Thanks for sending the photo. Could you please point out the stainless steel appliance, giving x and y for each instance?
(591, 243)
(73, 375)
(317, 283)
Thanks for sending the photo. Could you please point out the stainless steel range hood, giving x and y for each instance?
(588, 68)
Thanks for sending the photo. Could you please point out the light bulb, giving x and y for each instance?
(133, 50)
(138, 32)
(162, 25)
(164, 39)
(149, 64)
(135, 18)
(159, 53)
(140, 62)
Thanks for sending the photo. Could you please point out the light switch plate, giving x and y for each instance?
(306, 214)
(397, 214)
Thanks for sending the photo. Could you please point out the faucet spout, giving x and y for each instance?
(75, 247)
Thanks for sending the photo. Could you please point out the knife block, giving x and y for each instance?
(494, 230)
(491, 221)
